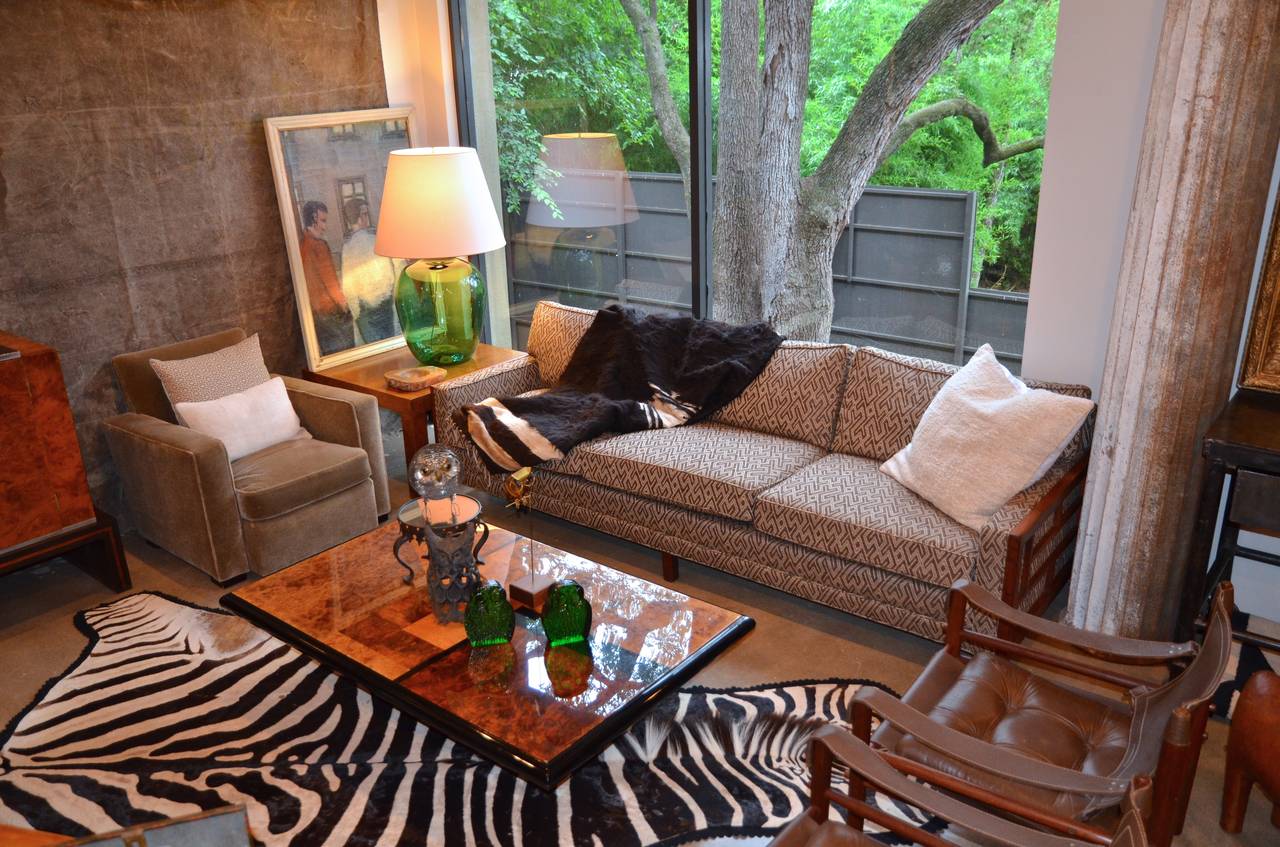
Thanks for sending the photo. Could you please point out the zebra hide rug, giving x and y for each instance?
(174, 708)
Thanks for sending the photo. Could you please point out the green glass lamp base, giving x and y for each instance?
(441, 304)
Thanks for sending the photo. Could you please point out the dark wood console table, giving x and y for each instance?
(1242, 444)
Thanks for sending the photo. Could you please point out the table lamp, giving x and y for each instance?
(592, 194)
(436, 209)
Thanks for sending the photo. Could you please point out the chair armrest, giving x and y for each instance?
(504, 379)
(983, 755)
(180, 489)
(342, 416)
(872, 768)
(1111, 647)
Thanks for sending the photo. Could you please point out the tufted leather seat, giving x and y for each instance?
(996, 701)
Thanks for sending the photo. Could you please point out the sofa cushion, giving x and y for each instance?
(797, 395)
(554, 335)
(706, 467)
(886, 395)
(293, 474)
(844, 506)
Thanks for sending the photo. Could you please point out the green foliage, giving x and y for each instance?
(576, 65)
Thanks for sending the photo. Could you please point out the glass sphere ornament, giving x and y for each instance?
(433, 473)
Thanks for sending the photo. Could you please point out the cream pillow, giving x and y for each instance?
(246, 422)
(985, 437)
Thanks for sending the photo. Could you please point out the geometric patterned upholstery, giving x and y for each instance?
(554, 335)
(844, 506)
(797, 395)
(887, 394)
(999, 702)
(706, 467)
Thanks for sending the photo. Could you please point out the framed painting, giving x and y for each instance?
(1262, 350)
(329, 170)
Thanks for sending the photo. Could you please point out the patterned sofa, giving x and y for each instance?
(782, 486)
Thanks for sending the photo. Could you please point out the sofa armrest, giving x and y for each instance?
(179, 486)
(1021, 547)
(342, 416)
(504, 379)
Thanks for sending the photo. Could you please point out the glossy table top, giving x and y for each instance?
(535, 710)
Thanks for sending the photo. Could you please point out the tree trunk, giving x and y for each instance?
(735, 261)
(801, 306)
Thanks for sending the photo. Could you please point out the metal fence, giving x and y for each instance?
(900, 272)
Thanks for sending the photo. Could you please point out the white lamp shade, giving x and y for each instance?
(593, 188)
(436, 204)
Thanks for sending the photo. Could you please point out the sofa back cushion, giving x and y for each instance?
(797, 395)
(554, 335)
(886, 394)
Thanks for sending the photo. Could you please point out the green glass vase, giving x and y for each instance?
(566, 617)
(489, 619)
(441, 303)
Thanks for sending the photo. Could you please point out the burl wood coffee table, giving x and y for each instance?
(536, 714)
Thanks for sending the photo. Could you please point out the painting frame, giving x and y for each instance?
(342, 129)
(1261, 369)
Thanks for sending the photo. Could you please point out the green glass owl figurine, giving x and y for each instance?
(566, 617)
(489, 618)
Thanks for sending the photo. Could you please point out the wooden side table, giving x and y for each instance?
(1243, 443)
(414, 407)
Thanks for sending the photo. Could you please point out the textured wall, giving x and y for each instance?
(136, 199)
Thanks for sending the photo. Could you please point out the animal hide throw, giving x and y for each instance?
(630, 371)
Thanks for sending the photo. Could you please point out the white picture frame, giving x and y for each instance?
(337, 161)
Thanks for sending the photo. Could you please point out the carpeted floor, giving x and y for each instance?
(793, 639)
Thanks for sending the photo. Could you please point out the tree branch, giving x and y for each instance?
(959, 107)
(664, 105)
(936, 30)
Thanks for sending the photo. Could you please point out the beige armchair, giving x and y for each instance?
(265, 510)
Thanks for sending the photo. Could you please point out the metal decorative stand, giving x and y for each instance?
(452, 568)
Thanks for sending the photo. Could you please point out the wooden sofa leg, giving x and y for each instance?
(670, 567)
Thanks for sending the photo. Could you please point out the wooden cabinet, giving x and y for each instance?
(45, 507)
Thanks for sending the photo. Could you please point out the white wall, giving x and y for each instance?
(1102, 68)
(418, 64)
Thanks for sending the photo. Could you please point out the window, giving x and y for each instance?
(342, 132)
(605, 179)
(354, 201)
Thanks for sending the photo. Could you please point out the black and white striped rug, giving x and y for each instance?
(174, 708)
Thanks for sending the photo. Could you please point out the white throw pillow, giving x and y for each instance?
(985, 437)
(246, 422)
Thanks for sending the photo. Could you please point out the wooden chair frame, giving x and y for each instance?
(1182, 739)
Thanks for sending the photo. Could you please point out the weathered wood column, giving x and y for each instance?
(1203, 173)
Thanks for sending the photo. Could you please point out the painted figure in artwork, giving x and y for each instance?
(329, 309)
(368, 280)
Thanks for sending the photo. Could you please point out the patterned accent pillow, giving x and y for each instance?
(214, 375)
(796, 396)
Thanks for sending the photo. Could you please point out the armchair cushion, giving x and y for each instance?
(844, 506)
(293, 474)
(996, 701)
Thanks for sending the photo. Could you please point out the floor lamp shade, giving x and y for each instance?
(436, 208)
(593, 189)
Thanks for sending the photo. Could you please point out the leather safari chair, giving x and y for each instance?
(265, 510)
(985, 723)
(833, 747)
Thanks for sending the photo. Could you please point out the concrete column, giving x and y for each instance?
(1211, 132)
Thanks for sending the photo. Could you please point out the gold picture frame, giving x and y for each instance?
(1262, 350)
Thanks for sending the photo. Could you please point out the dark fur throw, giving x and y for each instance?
(630, 371)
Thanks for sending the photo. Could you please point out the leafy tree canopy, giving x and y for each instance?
(576, 65)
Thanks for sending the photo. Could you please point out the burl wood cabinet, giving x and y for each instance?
(45, 507)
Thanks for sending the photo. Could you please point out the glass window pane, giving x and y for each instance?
(593, 196)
